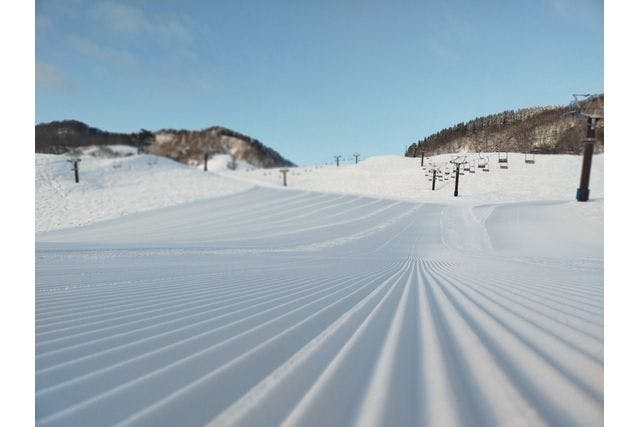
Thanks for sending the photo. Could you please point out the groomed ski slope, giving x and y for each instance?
(290, 307)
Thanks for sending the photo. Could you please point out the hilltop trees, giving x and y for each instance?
(143, 139)
(543, 129)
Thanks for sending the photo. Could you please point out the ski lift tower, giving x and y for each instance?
(284, 176)
(460, 160)
(590, 109)
(206, 159)
(75, 168)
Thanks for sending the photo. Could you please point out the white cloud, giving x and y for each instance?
(562, 6)
(121, 17)
(51, 77)
(125, 19)
(588, 13)
(101, 53)
(440, 49)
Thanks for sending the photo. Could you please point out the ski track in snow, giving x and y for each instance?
(295, 308)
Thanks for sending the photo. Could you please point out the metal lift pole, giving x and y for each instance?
(284, 176)
(75, 170)
(582, 195)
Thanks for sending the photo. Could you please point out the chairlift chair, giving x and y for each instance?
(483, 163)
(529, 158)
(503, 160)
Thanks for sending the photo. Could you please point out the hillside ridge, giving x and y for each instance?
(186, 146)
(548, 130)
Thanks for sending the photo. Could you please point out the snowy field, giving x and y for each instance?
(113, 187)
(355, 296)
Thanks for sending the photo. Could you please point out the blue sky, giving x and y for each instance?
(311, 78)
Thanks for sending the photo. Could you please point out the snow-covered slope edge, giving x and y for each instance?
(110, 188)
(113, 187)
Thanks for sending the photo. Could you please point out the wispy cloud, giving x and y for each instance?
(129, 40)
(586, 12)
(561, 6)
(126, 19)
(120, 17)
(440, 49)
(51, 77)
(101, 53)
(449, 34)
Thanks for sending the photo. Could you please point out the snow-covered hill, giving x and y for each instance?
(110, 188)
(355, 296)
(551, 177)
(113, 187)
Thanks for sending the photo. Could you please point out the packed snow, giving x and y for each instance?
(354, 296)
(551, 177)
(113, 187)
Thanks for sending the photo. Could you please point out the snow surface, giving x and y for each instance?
(110, 188)
(355, 296)
(113, 187)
